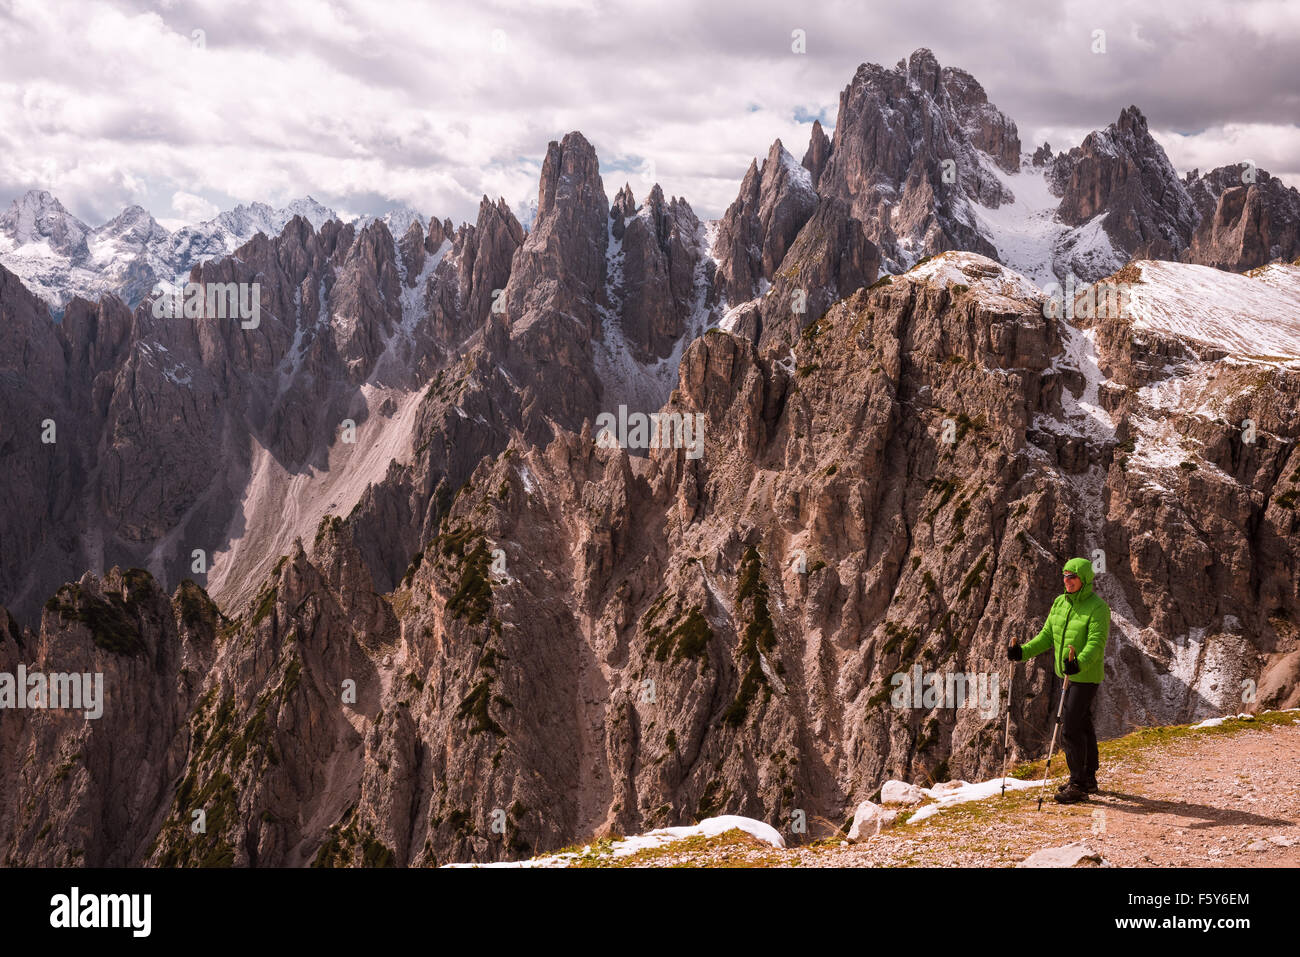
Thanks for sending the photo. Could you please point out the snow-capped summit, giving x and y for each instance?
(398, 219)
(238, 225)
(39, 218)
(58, 256)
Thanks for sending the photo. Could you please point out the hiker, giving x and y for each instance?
(1076, 629)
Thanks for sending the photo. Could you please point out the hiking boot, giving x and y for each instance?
(1072, 794)
(1091, 786)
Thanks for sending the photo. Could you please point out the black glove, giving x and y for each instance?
(1013, 652)
(1071, 666)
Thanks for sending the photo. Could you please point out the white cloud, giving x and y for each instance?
(191, 208)
(365, 104)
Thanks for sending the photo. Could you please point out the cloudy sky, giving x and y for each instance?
(190, 107)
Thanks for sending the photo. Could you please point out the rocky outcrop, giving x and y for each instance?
(904, 157)
(1247, 219)
(473, 273)
(754, 235)
(819, 151)
(830, 259)
(1122, 175)
(93, 799)
(653, 271)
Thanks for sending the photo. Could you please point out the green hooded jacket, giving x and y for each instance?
(1080, 621)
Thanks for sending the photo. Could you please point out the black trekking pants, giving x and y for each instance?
(1077, 733)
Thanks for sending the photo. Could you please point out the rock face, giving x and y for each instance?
(1247, 219)
(868, 820)
(830, 258)
(653, 257)
(433, 619)
(759, 227)
(1122, 175)
(590, 640)
(904, 157)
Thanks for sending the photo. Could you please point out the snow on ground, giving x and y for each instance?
(1215, 722)
(983, 275)
(644, 386)
(1029, 238)
(1024, 232)
(1087, 251)
(709, 827)
(1250, 316)
(960, 792)
(798, 177)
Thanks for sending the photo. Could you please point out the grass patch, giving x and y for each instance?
(109, 621)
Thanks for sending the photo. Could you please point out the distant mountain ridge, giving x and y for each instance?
(58, 256)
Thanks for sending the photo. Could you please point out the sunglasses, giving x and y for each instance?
(1070, 575)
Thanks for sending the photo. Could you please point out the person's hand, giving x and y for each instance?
(1071, 666)
(1013, 652)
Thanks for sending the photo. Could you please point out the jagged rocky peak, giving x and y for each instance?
(568, 240)
(1123, 173)
(439, 232)
(774, 202)
(989, 129)
(134, 225)
(651, 272)
(37, 216)
(622, 209)
(1248, 218)
(829, 259)
(413, 249)
(819, 151)
(486, 258)
(905, 156)
(570, 182)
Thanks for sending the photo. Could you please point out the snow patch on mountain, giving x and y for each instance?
(709, 827)
(1255, 317)
(57, 256)
(987, 277)
(1029, 237)
(645, 386)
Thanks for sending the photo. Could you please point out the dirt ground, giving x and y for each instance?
(1201, 799)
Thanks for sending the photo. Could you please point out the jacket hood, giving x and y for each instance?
(1083, 568)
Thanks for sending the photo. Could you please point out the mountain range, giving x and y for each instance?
(59, 257)
(366, 588)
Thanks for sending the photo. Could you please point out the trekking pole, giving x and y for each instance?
(1052, 747)
(1006, 734)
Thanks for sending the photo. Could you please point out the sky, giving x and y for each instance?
(187, 108)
